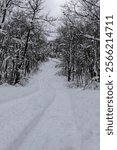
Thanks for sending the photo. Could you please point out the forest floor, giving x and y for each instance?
(48, 115)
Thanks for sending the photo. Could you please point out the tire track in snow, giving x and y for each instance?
(57, 130)
(15, 145)
(19, 98)
(10, 105)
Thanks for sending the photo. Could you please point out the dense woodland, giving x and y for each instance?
(22, 38)
(78, 41)
(24, 44)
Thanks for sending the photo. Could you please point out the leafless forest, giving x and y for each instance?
(24, 40)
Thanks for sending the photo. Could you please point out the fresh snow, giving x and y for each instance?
(47, 115)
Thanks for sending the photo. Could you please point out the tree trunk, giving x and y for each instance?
(26, 45)
(69, 74)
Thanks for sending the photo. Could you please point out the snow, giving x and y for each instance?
(91, 37)
(47, 115)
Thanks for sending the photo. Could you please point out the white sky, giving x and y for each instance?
(53, 6)
(54, 9)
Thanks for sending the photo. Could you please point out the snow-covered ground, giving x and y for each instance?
(47, 115)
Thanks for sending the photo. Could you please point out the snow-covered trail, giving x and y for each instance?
(46, 115)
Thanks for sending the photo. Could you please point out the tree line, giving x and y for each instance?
(78, 41)
(24, 44)
(22, 38)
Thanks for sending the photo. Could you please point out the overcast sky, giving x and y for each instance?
(53, 6)
(54, 9)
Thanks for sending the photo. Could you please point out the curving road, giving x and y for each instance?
(40, 116)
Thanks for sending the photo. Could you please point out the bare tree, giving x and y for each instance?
(22, 40)
(79, 40)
